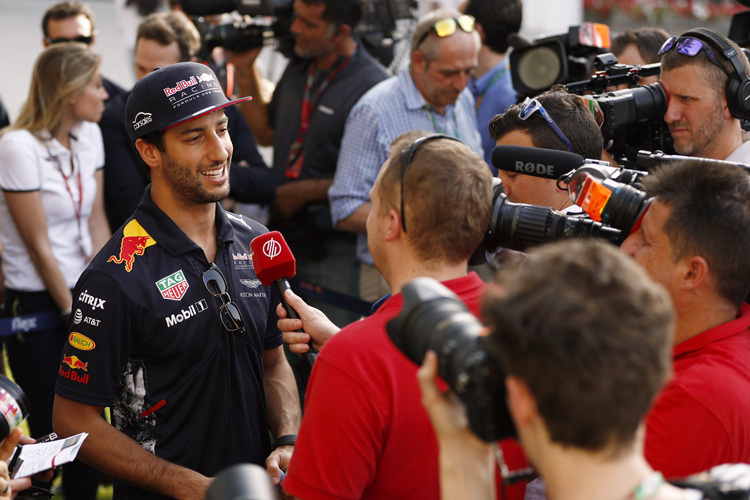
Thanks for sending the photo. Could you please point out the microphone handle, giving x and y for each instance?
(282, 285)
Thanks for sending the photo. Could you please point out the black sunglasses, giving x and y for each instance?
(82, 39)
(407, 155)
(229, 313)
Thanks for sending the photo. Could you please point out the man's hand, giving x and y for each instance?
(244, 61)
(289, 199)
(466, 462)
(315, 324)
(7, 447)
(278, 461)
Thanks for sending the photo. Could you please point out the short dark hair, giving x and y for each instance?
(499, 18)
(710, 217)
(569, 112)
(713, 76)
(66, 10)
(339, 12)
(590, 334)
(448, 198)
(169, 27)
(647, 39)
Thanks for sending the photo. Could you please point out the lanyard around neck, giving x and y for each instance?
(436, 126)
(77, 206)
(489, 85)
(296, 152)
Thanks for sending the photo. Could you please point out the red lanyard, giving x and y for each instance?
(76, 207)
(70, 193)
(296, 152)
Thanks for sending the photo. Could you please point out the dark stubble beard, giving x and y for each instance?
(186, 187)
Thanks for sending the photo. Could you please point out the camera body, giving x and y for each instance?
(434, 318)
(554, 59)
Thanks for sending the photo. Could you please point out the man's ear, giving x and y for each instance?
(694, 272)
(480, 31)
(342, 31)
(521, 403)
(149, 153)
(394, 225)
(417, 60)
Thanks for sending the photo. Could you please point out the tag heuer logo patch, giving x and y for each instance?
(174, 286)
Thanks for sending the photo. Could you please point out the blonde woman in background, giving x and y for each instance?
(53, 222)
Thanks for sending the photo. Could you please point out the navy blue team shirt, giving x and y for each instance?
(146, 339)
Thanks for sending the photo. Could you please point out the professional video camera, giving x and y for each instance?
(269, 21)
(634, 121)
(554, 59)
(266, 21)
(609, 196)
(434, 318)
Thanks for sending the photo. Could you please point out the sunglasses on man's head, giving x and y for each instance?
(449, 25)
(689, 46)
(82, 39)
(529, 106)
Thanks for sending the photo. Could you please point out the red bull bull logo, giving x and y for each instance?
(134, 242)
(75, 364)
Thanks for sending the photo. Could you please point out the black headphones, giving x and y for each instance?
(738, 84)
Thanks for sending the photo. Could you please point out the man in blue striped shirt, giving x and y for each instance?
(430, 95)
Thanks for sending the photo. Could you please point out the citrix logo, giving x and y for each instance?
(94, 302)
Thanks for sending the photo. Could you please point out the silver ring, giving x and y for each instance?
(5, 490)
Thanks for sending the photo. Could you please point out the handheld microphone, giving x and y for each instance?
(274, 264)
(538, 162)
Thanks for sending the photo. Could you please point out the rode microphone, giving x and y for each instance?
(538, 162)
(275, 264)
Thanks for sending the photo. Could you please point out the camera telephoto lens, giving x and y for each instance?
(14, 405)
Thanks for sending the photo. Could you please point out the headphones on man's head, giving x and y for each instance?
(738, 84)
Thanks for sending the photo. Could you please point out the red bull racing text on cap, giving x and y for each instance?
(172, 95)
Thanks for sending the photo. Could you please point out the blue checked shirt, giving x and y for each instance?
(387, 110)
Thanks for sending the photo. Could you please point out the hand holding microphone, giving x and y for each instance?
(274, 264)
(312, 326)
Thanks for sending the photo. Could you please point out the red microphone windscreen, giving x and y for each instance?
(272, 258)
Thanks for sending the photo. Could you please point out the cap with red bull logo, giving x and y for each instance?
(172, 95)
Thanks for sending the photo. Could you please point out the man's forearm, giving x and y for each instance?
(357, 221)
(282, 398)
(114, 453)
(256, 110)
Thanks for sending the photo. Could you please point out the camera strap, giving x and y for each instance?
(296, 151)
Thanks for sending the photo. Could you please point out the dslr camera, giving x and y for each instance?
(434, 318)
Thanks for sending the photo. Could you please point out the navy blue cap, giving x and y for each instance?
(173, 95)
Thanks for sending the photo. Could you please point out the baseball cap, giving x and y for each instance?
(173, 95)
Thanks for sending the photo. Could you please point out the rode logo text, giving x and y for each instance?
(535, 168)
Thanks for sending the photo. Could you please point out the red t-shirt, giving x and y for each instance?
(365, 433)
(702, 417)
